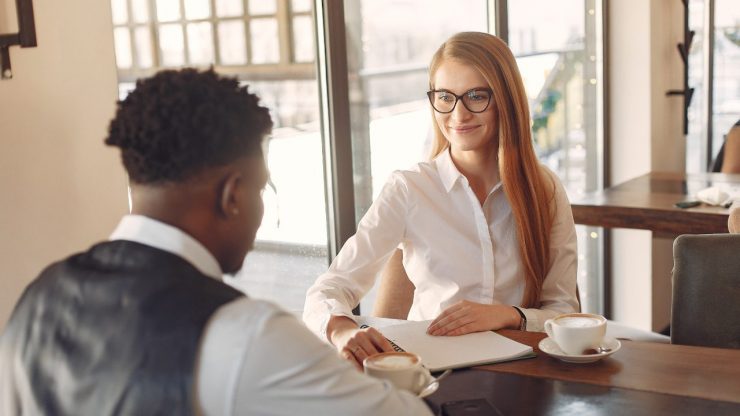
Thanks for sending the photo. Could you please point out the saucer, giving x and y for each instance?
(428, 390)
(549, 347)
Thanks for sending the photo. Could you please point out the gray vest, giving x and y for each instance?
(114, 331)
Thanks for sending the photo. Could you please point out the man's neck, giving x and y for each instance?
(187, 208)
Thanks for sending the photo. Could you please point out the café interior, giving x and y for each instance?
(631, 103)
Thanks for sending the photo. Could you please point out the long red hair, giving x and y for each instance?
(528, 187)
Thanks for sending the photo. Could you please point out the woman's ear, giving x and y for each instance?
(231, 197)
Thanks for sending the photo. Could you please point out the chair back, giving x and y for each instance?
(396, 292)
(705, 309)
(733, 221)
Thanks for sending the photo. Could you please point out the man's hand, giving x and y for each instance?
(353, 343)
(465, 317)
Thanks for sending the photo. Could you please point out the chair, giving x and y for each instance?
(396, 292)
(733, 222)
(706, 290)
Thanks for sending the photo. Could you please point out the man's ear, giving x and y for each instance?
(229, 201)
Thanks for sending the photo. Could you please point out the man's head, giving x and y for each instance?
(191, 143)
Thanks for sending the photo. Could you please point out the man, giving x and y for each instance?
(142, 324)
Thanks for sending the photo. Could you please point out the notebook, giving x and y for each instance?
(440, 353)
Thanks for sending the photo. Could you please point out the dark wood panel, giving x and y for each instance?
(513, 394)
(658, 220)
(707, 373)
(647, 203)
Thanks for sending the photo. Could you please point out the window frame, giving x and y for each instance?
(286, 67)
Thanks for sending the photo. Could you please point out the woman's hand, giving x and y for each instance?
(465, 317)
(355, 344)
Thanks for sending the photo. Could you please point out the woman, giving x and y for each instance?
(487, 232)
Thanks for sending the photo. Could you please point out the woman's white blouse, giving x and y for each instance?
(453, 249)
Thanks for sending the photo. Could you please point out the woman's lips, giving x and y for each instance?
(463, 129)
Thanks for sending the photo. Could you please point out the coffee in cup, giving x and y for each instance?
(577, 333)
(403, 369)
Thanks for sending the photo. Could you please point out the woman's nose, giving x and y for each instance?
(460, 112)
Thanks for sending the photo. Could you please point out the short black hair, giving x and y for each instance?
(179, 122)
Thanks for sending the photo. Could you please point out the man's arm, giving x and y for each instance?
(258, 359)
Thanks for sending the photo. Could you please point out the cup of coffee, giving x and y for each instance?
(577, 333)
(403, 369)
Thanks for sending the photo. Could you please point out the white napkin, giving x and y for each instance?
(713, 196)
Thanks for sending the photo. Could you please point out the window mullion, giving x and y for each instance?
(185, 41)
(214, 34)
(331, 48)
(285, 30)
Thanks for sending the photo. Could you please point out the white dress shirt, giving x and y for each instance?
(453, 249)
(255, 358)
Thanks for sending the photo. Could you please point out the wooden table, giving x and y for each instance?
(640, 378)
(647, 203)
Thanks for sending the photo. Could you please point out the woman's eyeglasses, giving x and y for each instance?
(475, 100)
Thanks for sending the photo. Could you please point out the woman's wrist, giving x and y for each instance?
(337, 325)
(520, 319)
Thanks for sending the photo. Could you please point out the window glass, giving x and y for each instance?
(229, 8)
(388, 59)
(265, 43)
(232, 42)
(696, 153)
(200, 43)
(292, 247)
(725, 86)
(171, 45)
(301, 6)
(143, 39)
(140, 9)
(168, 10)
(119, 11)
(262, 7)
(197, 9)
(303, 50)
(122, 39)
(726, 70)
(559, 67)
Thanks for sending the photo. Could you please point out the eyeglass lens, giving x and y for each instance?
(474, 100)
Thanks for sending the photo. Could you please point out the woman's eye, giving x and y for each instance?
(444, 97)
(476, 96)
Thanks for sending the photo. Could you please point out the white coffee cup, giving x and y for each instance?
(403, 369)
(576, 333)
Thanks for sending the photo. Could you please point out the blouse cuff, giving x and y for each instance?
(534, 323)
(325, 323)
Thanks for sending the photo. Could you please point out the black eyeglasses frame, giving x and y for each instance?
(458, 98)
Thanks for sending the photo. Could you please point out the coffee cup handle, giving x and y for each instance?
(548, 328)
(423, 377)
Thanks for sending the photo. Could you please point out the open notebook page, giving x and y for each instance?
(441, 353)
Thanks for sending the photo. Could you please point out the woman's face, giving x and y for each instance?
(464, 130)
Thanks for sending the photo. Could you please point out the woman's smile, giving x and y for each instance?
(464, 129)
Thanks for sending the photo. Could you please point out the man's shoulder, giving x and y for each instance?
(245, 308)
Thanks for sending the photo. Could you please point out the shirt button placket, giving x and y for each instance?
(486, 248)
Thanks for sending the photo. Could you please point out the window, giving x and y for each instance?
(726, 107)
(560, 66)
(388, 60)
(269, 44)
(716, 46)
(259, 39)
